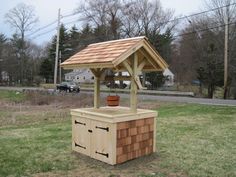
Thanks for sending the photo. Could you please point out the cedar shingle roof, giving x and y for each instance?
(111, 53)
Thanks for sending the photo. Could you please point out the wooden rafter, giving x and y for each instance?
(141, 65)
(143, 52)
(155, 55)
(128, 67)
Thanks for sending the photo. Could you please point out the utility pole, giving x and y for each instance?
(57, 46)
(60, 67)
(226, 52)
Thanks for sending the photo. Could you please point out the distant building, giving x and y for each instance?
(86, 76)
(80, 76)
(169, 77)
(4, 76)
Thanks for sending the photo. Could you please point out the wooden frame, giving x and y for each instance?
(106, 133)
(109, 139)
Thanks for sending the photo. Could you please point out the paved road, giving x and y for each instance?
(158, 98)
(181, 99)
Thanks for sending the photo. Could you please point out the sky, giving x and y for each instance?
(47, 11)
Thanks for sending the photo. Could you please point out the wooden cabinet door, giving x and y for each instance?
(102, 141)
(81, 135)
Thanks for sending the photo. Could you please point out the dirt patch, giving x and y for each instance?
(146, 166)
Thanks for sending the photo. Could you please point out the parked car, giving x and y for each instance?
(116, 85)
(68, 87)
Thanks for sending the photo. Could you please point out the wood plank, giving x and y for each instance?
(138, 82)
(113, 141)
(128, 53)
(97, 73)
(154, 133)
(97, 92)
(101, 141)
(155, 55)
(88, 65)
(80, 135)
(128, 67)
(141, 65)
(133, 91)
(148, 58)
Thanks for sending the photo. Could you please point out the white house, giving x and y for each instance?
(4, 76)
(170, 77)
(80, 76)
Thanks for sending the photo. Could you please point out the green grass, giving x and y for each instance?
(13, 96)
(192, 140)
(34, 149)
(199, 140)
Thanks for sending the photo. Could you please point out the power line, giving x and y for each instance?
(165, 22)
(46, 26)
(77, 19)
(75, 13)
(199, 13)
(41, 34)
(201, 30)
(41, 28)
(69, 15)
(46, 32)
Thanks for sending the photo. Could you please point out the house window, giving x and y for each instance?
(92, 77)
(78, 77)
(84, 77)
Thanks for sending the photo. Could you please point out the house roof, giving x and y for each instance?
(111, 54)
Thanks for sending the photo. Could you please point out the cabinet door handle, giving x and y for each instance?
(103, 128)
(104, 154)
(77, 145)
(76, 122)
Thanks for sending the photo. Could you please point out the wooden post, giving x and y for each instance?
(97, 93)
(133, 91)
(97, 74)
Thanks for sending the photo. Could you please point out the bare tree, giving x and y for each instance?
(103, 15)
(219, 17)
(22, 18)
(142, 17)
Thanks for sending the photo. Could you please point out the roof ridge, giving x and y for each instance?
(125, 39)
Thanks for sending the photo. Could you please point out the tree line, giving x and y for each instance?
(196, 54)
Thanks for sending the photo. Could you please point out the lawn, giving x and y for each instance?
(192, 140)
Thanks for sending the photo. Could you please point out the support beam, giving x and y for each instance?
(97, 74)
(128, 67)
(133, 91)
(138, 83)
(141, 65)
(143, 52)
(97, 93)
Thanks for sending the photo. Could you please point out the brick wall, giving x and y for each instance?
(134, 139)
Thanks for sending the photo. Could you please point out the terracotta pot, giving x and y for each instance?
(113, 100)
